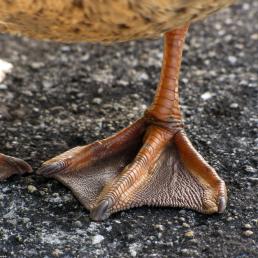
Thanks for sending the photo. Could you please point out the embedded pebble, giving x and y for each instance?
(186, 225)
(189, 252)
(232, 59)
(250, 169)
(32, 189)
(133, 249)
(159, 227)
(247, 226)
(5, 68)
(189, 234)
(97, 239)
(234, 105)
(77, 223)
(207, 95)
(97, 101)
(248, 233)
(3, 87)
(57, 253)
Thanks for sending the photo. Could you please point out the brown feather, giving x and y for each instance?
(100, 20)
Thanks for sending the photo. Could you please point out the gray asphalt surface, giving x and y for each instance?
(61, 96)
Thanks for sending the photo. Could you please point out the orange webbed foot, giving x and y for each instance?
(11, 166)
(141, 165)
(151, 162)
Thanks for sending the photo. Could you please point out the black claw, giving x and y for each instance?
(50, 169)
(222, 204)
(101, 211)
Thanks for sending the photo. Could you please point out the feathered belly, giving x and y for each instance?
(100, 20)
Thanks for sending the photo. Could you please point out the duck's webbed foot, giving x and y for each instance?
(11, 166)
(141, 165)
(151, 162)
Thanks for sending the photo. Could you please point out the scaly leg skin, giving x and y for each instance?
(152, 162)
(11, 166)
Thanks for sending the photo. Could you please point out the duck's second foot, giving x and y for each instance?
(10, 166)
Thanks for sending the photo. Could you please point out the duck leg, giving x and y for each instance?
(11, 166)
(152, 162)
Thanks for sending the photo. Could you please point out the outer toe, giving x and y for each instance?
(101, 211)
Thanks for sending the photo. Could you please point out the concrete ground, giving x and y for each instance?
(60, 96)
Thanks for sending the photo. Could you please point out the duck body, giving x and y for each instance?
(100, 20)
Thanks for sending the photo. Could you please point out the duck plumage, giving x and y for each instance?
(100, 20)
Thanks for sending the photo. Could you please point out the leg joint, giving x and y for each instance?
(170, 124)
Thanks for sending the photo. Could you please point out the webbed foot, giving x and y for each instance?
(10, 166)
(141, 165)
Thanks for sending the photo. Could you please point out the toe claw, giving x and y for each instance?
(21, 165)
(222, 203)
(101, 211)
(52, 168)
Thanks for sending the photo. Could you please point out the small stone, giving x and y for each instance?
(100, 90)
(25, 220)
(207, 95)
(5, 68)
(247, 226)
(189, 234)
(234, 105)
(190, 252)
(57, 253)
(133, 249)
(19, 239)
(97, 239)
(65, 48)
(32, 189)
(47, 85)
(3, 87)
(182, 219)
(186, 225)
(220, 232)
(97, 101)
(250, 169)
(193, 241)
(253, 179)
(254, 36)
(42, 193)
(230, 218)
(37, 65)
(77, 223)
(85, 57)
(246, 6)
(185, 251)
(159, 227)
(182, 212)
(232, 60)
(248, 233)
(143, 77)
